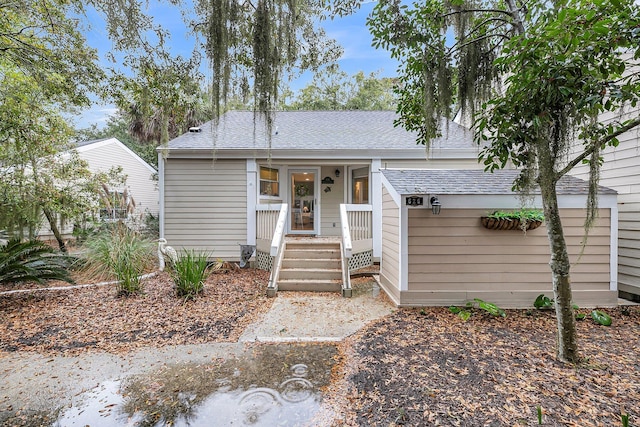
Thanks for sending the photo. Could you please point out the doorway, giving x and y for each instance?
(304, 202)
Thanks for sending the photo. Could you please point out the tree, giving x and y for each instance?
(333, 89)
(535, 77)
(37, 179)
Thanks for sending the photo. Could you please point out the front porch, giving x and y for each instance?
(313, 263)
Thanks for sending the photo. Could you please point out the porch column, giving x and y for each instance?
(376, 203)
(252, 200)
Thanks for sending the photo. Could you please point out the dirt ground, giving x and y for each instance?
(414, 367)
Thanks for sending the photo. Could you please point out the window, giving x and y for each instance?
(115, 205)
(269, 182)
(360, 189)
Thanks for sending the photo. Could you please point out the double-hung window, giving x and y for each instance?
(269, 182)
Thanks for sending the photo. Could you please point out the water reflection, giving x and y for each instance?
(274, 385)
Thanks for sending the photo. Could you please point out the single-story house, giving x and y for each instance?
(323, 177)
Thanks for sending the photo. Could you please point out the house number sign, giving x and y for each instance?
(414, 201)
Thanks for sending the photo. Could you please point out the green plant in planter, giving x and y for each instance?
(525, 219)
(528, 215)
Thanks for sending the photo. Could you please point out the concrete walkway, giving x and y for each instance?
(37, 382)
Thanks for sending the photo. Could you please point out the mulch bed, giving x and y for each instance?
(75, 320)
(428, 367)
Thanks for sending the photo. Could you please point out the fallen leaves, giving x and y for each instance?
(432, 369)
(76, 320)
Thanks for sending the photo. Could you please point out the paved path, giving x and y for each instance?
(34, 381)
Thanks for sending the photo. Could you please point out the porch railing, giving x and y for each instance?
(277, 249)
(266, 220)
(355, 226)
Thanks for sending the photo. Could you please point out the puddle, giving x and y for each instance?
(273, 385)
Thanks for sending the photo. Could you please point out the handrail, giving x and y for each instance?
(277, 249)
(347, 245)
(346, 249)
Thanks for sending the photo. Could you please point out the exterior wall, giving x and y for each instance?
(453, 259)
(205, 205)
(621, 171)
(142, 186)
(390, 262)
(330, 201)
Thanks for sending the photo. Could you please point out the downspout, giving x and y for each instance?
(161, 193)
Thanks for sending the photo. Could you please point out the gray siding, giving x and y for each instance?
(330, 201)
(390, 262)
(206, 205)
(621, 171)
(453, 259)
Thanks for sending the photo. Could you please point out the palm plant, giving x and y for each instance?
(32, 261)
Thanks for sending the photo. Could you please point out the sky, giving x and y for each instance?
(350, 32)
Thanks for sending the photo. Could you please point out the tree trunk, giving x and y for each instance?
(51, 218)
(567, 349)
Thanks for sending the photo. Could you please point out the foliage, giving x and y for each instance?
(333, 89)
(42, 177)
(31, 261)
(539, 414)
(601, 318)
(538, 76)
(189, 273)
(489, 307)
(121, 253)
(41, 40)
(543, 301)
(520, 215)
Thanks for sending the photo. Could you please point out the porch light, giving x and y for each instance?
(337, 173)
(435, 205)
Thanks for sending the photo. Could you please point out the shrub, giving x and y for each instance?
(121, 253)
(32, 261)
(189, 273)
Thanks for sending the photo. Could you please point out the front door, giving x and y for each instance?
(304, 201)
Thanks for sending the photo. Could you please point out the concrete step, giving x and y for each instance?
(310, 285)
(310, 274)
(312, 253)
(331, 263)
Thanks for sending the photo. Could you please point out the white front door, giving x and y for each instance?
(303, 188)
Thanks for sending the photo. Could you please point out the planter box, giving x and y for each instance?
(507, 224)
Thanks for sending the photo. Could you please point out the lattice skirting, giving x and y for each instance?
(361, 260)
(264, 260)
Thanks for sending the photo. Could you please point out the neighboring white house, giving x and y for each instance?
(104, 154)
(141, 182)
(337, 176)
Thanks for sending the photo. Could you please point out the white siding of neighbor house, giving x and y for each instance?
(390, 263)
(621, 172)
(453, 259)
(140, 179)
(205, 205)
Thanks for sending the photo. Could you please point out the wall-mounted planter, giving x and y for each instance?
(507, 223)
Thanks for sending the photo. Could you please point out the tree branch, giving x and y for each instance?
(591, 148)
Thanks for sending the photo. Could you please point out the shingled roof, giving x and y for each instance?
(315, 130)
(420, 181)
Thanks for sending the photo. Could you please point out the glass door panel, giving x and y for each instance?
(303, 202)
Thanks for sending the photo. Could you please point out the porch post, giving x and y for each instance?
(252, 200)
(376, 204)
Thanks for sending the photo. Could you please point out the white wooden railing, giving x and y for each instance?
(266, 220)
(277, 249)
(357, 235)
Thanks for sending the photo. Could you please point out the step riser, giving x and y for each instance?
(311, 253)
(310, 275)
(322, 246)
(319, 263)
(309, 287)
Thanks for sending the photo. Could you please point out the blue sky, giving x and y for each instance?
(350, 32)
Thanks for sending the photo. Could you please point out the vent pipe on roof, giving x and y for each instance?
(195, 129)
